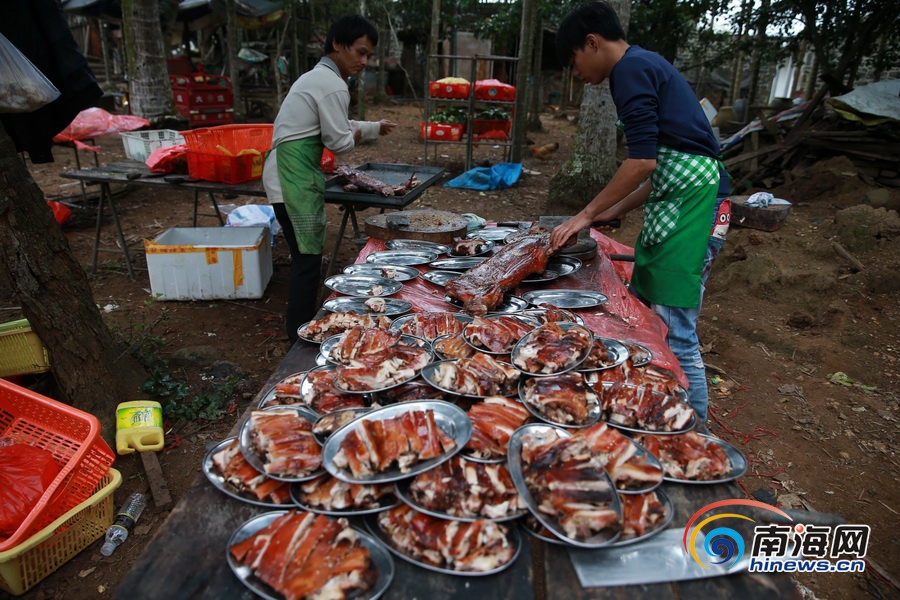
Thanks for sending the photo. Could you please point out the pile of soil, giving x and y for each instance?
(802, 347)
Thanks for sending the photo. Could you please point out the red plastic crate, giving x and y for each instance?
(480, 126)
(442, 132)
(203, 99)
(210, 166)
(71, 435)
(449, 90)
(491, 89)
(207, 161)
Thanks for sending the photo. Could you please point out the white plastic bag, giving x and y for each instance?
(23, 88)
(255, 215)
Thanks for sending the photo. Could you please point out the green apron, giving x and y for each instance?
(303, 191)
(668, 258)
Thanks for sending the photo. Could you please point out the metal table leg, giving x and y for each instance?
(215, 203)
(105, 193)
(348, 212)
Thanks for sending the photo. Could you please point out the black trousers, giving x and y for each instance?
(303, 286)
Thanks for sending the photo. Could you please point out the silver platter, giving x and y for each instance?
(381, 559)
(565, 298)
(449, 417)
(362, 285)
(538, 313)
(253, 457)
(428, 376)
(593, 408)
(521, 318)
(268, 398)
(639, 354)
(392, 306)
(400, 323)
(512, 536)
(614, 347)
(558, 266)
(481, 250)
(401, 490)
(457, 264)
(510, 304)
(440, 276)
(218, 480)
(388, 502)
(408, 258)
(493, 234)
(415, 374)
(565, 327)
(408, 340)
(691, 424)
(398, 272)
(328, 423)
(737, 458)
(417, 245)
(601, 539)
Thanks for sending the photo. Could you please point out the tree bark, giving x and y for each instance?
(524, 78)
(151, 94)
(593, 161)
(535, 90)
(234, 68)
(92, 372)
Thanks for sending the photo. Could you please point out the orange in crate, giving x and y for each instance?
(71, 435)
(228, 153)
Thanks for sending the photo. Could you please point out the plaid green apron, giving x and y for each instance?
(303, 191)
(670, 250)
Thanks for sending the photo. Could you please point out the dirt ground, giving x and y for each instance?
(783, 314)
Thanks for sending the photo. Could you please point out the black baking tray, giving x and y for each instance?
(391, 174)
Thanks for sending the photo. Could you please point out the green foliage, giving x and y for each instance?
(450, 115)
(494, 113)
(209, 405)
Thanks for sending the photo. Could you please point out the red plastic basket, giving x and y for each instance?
(213, 153)
(71, 435)
(445, 132)
(233, 138)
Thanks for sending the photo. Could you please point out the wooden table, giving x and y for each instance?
(186, 558)
(137, 174)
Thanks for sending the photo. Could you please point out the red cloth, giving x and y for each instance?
(95, 122)
(623, 317)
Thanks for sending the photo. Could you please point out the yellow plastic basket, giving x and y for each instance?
(21, 351)
(24, 566)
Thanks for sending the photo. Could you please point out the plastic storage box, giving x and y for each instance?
(443, 132)
(215, 153)
(26, 565)
(21, 351)
(458, 91)
(208, 263)
(71, 435)
(204, 99)
(139, 145)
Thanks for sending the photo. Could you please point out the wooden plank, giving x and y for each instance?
(162, 499)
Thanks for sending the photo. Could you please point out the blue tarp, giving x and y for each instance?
(497, 177)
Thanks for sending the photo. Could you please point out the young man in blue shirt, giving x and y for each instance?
(671, 170)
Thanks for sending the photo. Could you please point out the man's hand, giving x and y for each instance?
(562, 233)
(386, 126)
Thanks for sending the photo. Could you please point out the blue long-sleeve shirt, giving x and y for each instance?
(657, 106)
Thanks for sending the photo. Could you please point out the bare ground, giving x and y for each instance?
(783, 314)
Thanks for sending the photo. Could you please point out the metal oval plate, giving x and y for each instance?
(565, 327)
(593, 409)
(268, 398)
(493, 234)
(514, 459)
(381, 559)
(538, 313)
(400, 272)
(690, 426)
(362, 285)
(565, 298)
(400, 323)
(558, 266)
(408, 340)
(338, 387)
(614, 346)
(428, 376)
(325, 420)
(256, 461)
(638, 351)
(512, 536)
(407, 258)
(440, 277)
(389, 502)
(449, 417)
(463, 263)
(357, 304)
(218, 480)
(401, 490)
(417, 245)
(522, 318)
(737, 458)
(510, 304)
(482, 250)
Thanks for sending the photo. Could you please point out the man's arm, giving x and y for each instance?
(626, 180)
(633, 200)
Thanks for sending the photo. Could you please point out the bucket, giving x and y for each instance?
(139, 427)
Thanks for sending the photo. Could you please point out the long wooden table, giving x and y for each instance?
(186, 558)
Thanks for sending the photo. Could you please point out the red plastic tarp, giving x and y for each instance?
(623, 317)
(95, 122)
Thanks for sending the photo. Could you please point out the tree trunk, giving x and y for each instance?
(151, 93)
(92, 372)
(524, 78)
(762, 22)
(234, 69)
(593, 161)
(534, 93)
(430, 67)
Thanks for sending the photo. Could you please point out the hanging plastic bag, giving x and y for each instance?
(25, 474)
(61, 212)
(23, 88)
(327, 161)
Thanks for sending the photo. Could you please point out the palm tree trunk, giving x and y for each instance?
(150, 92)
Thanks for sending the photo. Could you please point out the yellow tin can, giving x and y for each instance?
(139, 427)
